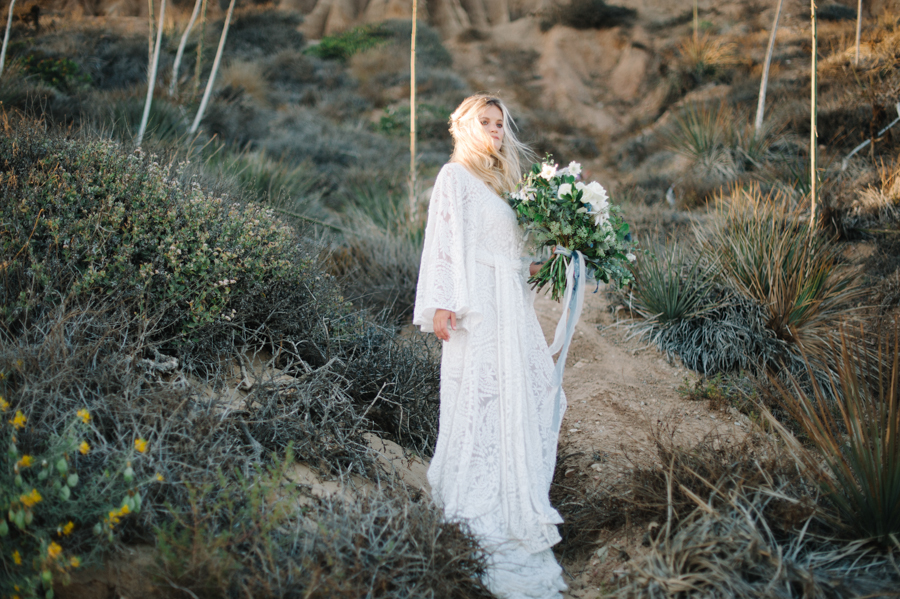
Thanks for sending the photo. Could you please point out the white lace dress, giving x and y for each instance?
(496, 447)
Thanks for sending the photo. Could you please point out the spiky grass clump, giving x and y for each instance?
(725, 517)
(704, 57)
(769, 255)
(661, 490)
(857, 438)
(732, 551)
(721, 144)
(687, 313)
(877, 206)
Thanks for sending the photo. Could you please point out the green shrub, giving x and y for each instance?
(705, 58)
(686, 312)
(260, 32)
(430, 50)
(431, 121)
(84, 218)
(58, 510)
(343, 45)
(61, 73)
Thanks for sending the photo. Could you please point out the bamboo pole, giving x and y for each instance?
(215, 68)
(761, 104)
(12, 5)
(412, 117)
(813, 134)
(151, 76)
(858, 28)
(696, 23)
(150, 32)
(199, 62)
(173, 85)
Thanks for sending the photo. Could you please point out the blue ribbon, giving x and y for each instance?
(573, 302)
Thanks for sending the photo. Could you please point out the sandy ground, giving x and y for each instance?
(618, 388)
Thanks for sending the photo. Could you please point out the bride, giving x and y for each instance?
(496, 446)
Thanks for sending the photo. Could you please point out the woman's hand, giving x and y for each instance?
(534, 268)
(440, 324)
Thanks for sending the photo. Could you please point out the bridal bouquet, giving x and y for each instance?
(569, 216)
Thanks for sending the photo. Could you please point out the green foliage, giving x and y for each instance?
(344, 45)
(719, 391)
(430, 50)
(672, 284)
(560, 212)
(686, 312)
(836, 12)
(48, 513)
(705, 57)
(858, 439)
(86, 217)
(431, 121)
(61, 73)
(226, 532)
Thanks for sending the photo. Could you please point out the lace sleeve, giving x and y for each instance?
(447, 261)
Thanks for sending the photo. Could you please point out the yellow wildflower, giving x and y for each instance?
(17, 559)
(84, 448)
(66, 530)
(84, 415)
(25, 461)
(159, 477)
(124, 510)
(30, 499)
(141, 445)
(4, 405)
(74, 562)
(19, 420)
(54, 551)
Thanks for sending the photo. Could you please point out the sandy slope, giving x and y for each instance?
(617, 388)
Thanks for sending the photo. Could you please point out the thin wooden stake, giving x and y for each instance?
(761, 104)
(412, 117)
(173, 85)
(813, 134)
(199, 62)
(858, 28)
(12, 5)
(151, 75)
(215, 68)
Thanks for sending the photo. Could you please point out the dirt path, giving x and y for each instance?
(617, 389)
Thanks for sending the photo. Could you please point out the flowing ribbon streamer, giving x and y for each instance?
(573, 302)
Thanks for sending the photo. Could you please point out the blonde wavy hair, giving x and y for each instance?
(472, 146)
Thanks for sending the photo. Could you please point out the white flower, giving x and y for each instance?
(548, 171)
(564, 189)
(594, 195)
(631, 257)
(574, 168)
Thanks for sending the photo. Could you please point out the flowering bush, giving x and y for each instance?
(50, 517)
(558, 210)
(85, 218)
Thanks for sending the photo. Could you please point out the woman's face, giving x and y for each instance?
(492, 121)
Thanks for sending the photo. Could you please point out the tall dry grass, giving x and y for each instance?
(855, 442)
(769, 254)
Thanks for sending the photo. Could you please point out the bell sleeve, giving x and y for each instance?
(446, 272)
